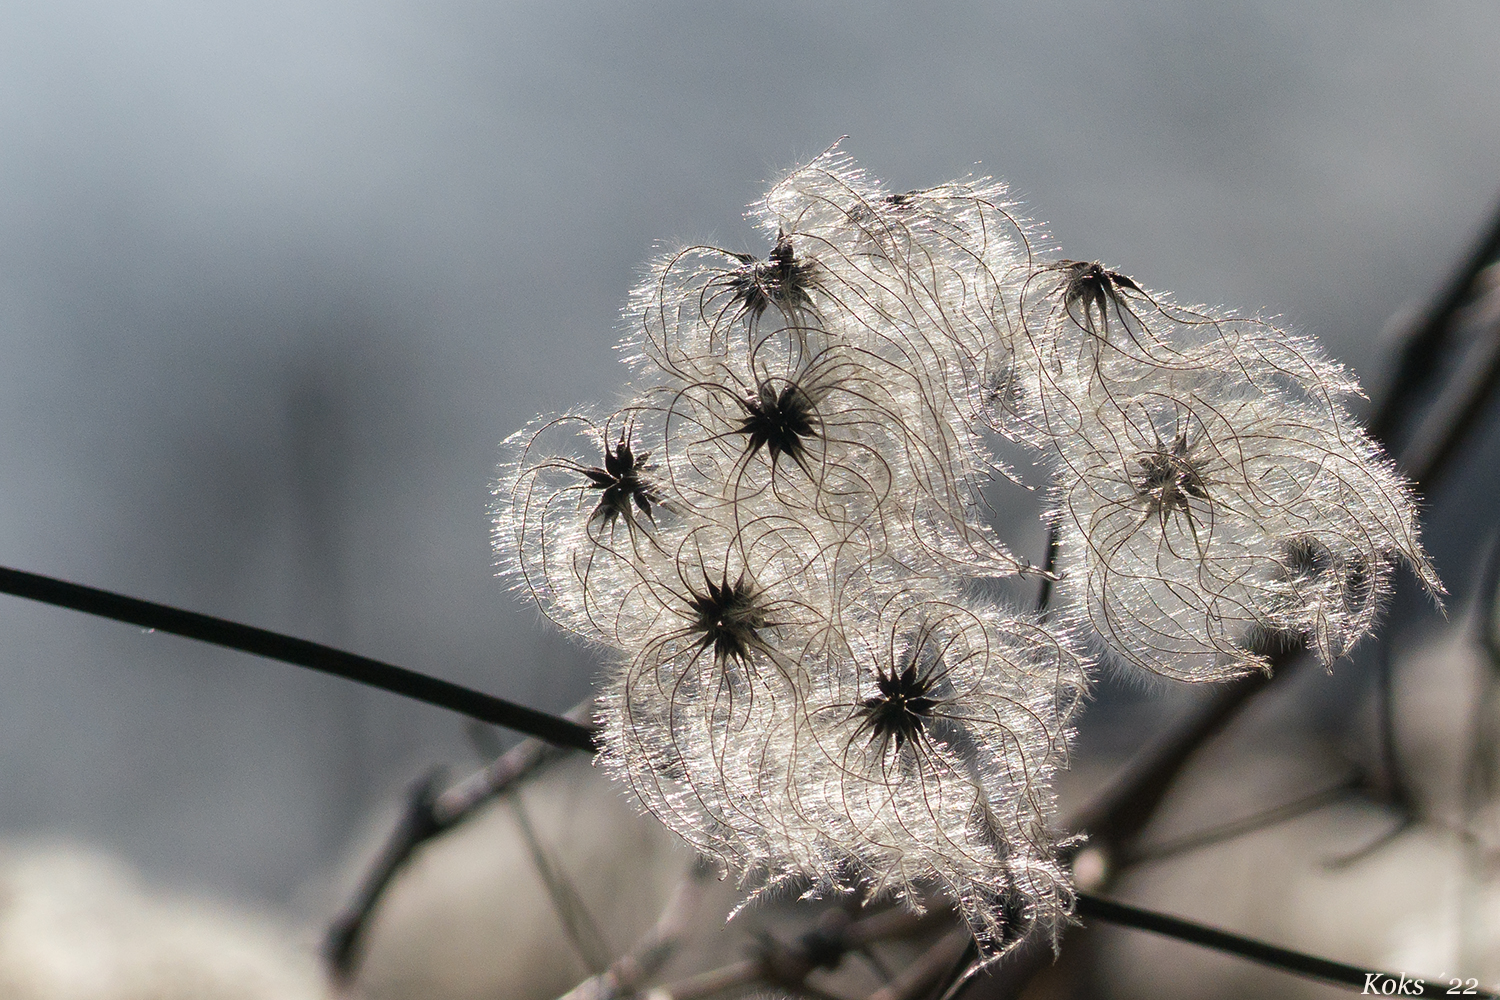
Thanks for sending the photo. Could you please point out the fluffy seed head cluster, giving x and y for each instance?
(780, 531)
(1214, 498)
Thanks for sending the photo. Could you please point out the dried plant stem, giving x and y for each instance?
(1117, 816)
(1122, 810)
(715, 981)
(896, 922)
(1113, 821)
(462, 799)
(582, 930)
(783, 964)
(918, 977)
(1427, 338)
(430, 813)
(1228, 831)
(345, 933)
(1467, 396)
(1339, 973)
(300, 652)
(625, 975)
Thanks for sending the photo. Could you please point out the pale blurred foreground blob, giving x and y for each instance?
(78, 925)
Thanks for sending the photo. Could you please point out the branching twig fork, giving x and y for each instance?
(428, 814)
(1116, 817)
(788, 964)
(628, 972)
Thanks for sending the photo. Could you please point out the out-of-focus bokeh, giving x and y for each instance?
(276, 279)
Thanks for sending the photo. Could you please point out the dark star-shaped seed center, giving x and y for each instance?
(620, 483)
(781, 421)
(1170, 477)
(901, 709)
(1094, 287)
(728, 618)
(779, 280)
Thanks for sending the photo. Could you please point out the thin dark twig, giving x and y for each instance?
(430, 813)
(657, 947)
(417, 825)
(1392, 788)
(1123, 810)
(1405, 821)
(949, 982)
(1339, 973)
(1118, 815)
(461, 800)
(572, 912)
(1467, 396)
(1113, 820)
(927, 968)
(787, 964)
(895, 922)
(1006, 979)
(1044, 592)
(1239, 828)
(1424, 344)
(314, 656)
(1393, 785)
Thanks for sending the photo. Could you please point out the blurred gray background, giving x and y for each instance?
(275, 280)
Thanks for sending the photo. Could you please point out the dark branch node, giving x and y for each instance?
(419, 824)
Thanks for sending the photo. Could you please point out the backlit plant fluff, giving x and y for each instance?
(1213, 497)
(779, 534)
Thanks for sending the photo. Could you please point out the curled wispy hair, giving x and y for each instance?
(914, 757)
(837, 439)
(1196, 525)
(912, 294)
(577, 504)
(1092, 333)
(779, 536)
(696, 303)
(929, 279)
(684, 708)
